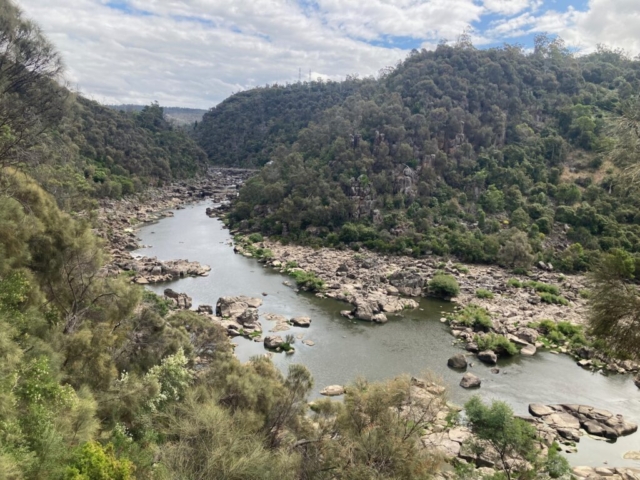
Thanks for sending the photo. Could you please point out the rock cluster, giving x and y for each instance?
(606, 473)
(151, 270)
(117, 220)
(239, 315)
(179, 300)
(567, 420)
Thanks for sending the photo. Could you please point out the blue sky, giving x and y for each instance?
(197, 52)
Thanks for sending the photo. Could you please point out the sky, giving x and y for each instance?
(195, 53)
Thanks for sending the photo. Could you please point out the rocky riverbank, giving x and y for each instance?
(117, 221)
(519, 307)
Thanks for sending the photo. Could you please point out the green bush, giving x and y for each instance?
(543, 287)
(553, 299)
(500, 344)
(255, 238)
(473, 316)
(307, 280)
(484, 293)
(443, 286)
(514, 282)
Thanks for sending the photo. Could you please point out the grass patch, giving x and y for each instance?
(514, 282)
(484, 293)
(473, 316)
(541, 287)
(553, 299)
(255, 238)
(500, 344)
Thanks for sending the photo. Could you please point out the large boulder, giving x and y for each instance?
(458, 361)
(408, 283)
(301, 321)
(365, 309)
(248, 317)
(233, 307)
(273, 341)
(469, 380)
(529, 335)
(528, 350)
(179, 300)
(488, 356)
(332, 391)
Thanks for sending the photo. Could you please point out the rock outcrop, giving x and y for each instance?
(469, 380)
(568, 419)
(179, 300)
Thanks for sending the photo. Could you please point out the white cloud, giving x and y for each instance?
(510, 7)
(197, 52)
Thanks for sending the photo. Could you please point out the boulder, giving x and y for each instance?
(539, 410)
(529, 335)
(248, 317)
(528, 350)
(488, 356)
(379, 318)
(562, 420)
(179, 300)
(408, 283)
(458, 361)
(233, 307)
(332, 391)
(273, 341)
(208, 309)
(469, 380)
(301, 321)
(365, 310)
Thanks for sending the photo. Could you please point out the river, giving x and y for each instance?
(415, 343)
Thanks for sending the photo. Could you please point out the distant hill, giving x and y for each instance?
(177, 115)
(457, 151)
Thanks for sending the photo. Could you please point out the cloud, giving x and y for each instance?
(197, 52)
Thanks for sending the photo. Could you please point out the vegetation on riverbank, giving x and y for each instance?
(494, 156)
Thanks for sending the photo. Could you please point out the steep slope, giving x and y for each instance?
(245, 129)
(492, 155)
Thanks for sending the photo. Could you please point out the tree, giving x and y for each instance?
(516, 252)
(30, 98)
(512, 438)
(614, 304)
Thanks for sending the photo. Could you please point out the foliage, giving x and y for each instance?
(93, 462)
(553, 299)
(456, 151)
(614, 304)
(484, 293)
(307, 280)
(443, 286)
(500, 344)
(473, 316)
(496, 424)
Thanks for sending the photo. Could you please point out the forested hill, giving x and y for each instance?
(492, 155)
(177, 115)
(246, 128)
(74, 147)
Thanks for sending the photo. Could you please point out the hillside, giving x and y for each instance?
(490, 155)
(246, 128)
(177, 115)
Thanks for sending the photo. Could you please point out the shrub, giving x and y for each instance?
(484, 293)
(444, 286)
(255, 238)
(514, 282)
(553, 299)
(473, 316)
(498, 343)
(543, 287)
(307, 280)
